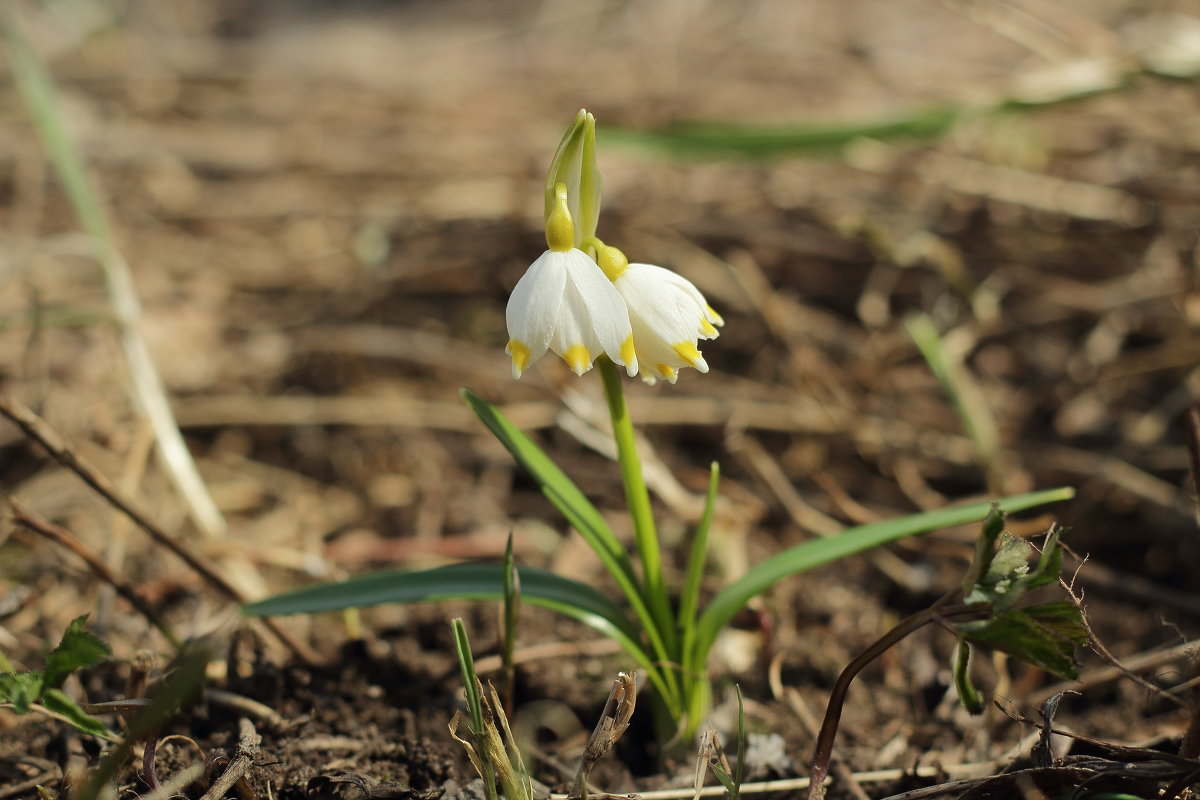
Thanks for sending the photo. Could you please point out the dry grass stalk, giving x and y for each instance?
(614, 721)
(37, 430)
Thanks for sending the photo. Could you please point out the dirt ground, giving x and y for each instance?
(324, 207)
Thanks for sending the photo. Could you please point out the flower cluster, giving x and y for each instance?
(583, 299)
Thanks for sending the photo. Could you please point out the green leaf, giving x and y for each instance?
(58, 702)
(558, 488)
(1008, 577)
(473, 581)
(985, 548)
(1043, 635)
(698, 558)
(723, 776)
(584, 518)
(78, 649)
(970, 697)
(817, 552)
(20, 689)
(724, 140)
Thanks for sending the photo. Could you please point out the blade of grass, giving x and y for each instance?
(739, 769)
(37, 92)
(817, 552)
(698, 557)
(472, 581)
(585, 519)
(689, 601)
(512, 611)
(964, 394)
(466, 663)
(557, 487)
(724, 140)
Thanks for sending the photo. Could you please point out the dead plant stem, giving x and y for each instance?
(64, 538)
(823, 751)
(37, 91)
(238, 766)
(36, 429)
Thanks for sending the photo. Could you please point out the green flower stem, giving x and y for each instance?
(638, 499)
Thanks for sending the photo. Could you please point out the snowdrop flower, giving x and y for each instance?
(565, 303)
(667, 312)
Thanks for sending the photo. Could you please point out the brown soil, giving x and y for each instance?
(325, 206)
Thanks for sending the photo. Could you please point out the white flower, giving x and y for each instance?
(566, 304)
(668, 315)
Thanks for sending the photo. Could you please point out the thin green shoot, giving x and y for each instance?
(964, 394)
(466, 663)
(712, 752)
(739, 770)
(695, 684)
(637, 497)
(512, 613)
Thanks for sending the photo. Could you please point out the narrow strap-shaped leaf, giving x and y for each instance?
(695, 682)
(560, 489)
(584, 518)
(470, 581)
(818, 552)
(699, 554)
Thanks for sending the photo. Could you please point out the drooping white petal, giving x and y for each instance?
(668, 314)
(533, 309)
(605, 309)
(565, 304)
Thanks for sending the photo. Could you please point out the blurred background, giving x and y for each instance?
(323, 207)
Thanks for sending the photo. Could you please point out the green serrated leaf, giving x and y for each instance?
(20, 689)
(985, 548)
(1063, 618)
(1009, 577)
(1044, 635)
(78, 649)
(1011, 558)
(999, 584)
(58, 702)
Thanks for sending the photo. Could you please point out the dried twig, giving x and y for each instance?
(173, 786)
(1101, 650)
(36, 429)
(64, 538)
(239, 765)
(245, 705)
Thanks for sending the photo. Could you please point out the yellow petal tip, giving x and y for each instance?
(629, 354)
(578, 358)
(688, 352)
(667, 373)
(520, 356)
